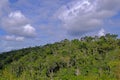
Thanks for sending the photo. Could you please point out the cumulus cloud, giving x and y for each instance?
(81, 16)
(17, 24)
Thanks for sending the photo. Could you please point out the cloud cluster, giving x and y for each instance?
(81, 16)
(13, 38)
(17, 24)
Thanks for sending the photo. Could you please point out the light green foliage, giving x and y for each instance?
(91, 58)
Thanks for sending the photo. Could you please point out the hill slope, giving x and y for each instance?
(90, 58)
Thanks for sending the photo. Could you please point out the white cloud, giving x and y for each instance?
(10, 38)
(16, 14)
(19, 38)
(17, 24)
(14, 38)
(29, 30)
(81, 16)
(101, 32)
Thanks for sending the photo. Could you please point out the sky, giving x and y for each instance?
(27, 23)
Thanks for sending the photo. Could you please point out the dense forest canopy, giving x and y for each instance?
(88, 58)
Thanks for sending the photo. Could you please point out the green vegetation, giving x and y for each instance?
(91, 58)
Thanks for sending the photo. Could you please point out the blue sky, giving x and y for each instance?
(25, 23)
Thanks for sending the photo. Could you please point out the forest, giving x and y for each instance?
(87, 58)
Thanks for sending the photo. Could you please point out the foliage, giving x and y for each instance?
(90, 58)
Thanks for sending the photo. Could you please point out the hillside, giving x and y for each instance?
(91, 58)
